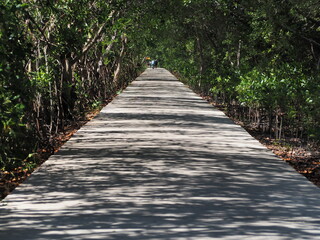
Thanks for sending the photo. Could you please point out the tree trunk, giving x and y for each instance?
(51, 108)
(120, 58)
(68, 88)
(239, 54)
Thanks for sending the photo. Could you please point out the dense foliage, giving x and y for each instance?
(60, 58)
(259, 58)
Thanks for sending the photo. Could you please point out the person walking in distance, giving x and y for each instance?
(154, 63)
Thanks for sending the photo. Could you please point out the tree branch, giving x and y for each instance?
(302, 36)
(92, 41)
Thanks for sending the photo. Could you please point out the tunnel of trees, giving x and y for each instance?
(61, 58)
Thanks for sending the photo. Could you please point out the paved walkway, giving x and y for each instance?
(161, 163)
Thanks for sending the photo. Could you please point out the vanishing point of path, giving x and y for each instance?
(161, 163)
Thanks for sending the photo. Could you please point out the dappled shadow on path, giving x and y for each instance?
(163, 189)
(155, 174)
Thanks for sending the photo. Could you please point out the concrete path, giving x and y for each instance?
(161, 163)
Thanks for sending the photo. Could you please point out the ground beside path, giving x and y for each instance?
(161, 163)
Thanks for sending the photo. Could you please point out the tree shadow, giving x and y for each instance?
(154, 174)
